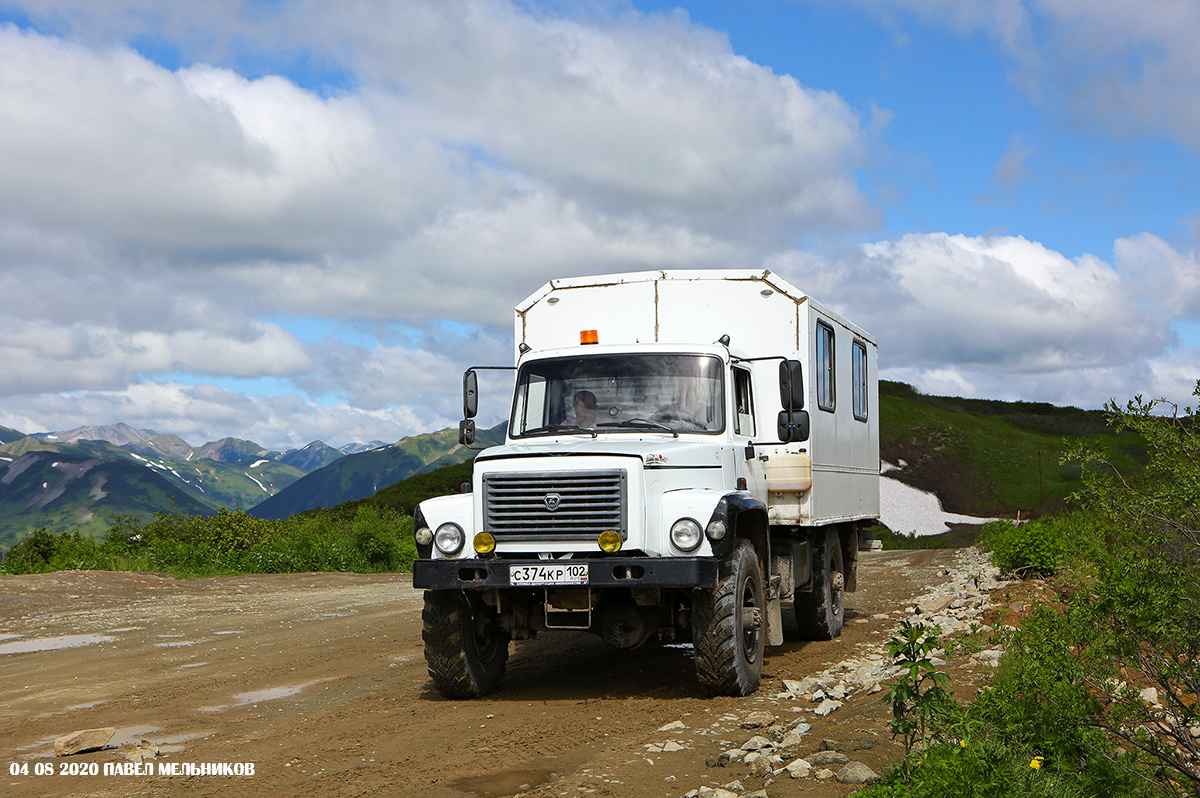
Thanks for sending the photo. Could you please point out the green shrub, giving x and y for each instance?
(31, 553)
(1034, 548)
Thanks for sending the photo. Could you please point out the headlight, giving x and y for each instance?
(484, 543)
(715, 529)
(685, 534)
(448, 538)
(424, 536)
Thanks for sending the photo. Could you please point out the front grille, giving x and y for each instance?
(585, 503)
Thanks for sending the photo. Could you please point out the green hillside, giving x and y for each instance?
(232, 486)
(358, 476)
(985, 457)
(8, 435)
(981, 458)
(72, 491)
(208, 482)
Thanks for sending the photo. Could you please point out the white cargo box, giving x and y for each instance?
(765, 318)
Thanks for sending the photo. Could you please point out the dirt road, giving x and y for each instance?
(318, 680)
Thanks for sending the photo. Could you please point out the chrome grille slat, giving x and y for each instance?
(514, 505)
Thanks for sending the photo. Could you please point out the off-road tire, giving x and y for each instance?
(821, 613)
(729, 626)
(465, 647)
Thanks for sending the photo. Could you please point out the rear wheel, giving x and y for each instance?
(729, 627)
(821, 613)
(466, 647)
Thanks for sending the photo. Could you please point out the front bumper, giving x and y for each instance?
(628, 572)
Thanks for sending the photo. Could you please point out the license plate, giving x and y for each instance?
(576, 574)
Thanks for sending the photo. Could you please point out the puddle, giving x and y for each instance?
(75, 708)
(190, 665)
(129, 735)
(8, 637)
(258, 696)
(52, 643)
(42, 743)
(685, 648)
(503, 785)
(228, 633)
(176, 644)
(270, 694)
(125, 629)
(133, 735)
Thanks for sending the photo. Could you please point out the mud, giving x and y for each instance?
(319, 681)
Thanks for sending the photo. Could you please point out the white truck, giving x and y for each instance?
(690, 455)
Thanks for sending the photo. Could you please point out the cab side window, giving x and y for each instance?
(826, 398)
(743, 398)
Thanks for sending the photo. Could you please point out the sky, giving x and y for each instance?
(291, 220)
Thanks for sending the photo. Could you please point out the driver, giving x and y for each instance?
(585, 411)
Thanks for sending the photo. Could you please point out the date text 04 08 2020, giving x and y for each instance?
(575, 574)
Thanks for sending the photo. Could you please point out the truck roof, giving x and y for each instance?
(713, 290)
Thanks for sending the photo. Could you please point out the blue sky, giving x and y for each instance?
(956, 117)
(287, 221)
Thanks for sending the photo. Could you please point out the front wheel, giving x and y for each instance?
(821, 613)
(466, 647)
(729, 625)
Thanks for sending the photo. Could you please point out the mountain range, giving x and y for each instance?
(361, 475)
(75, 479)
(980, 457)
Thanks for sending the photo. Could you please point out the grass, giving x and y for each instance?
(987, 458)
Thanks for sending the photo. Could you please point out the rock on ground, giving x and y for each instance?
(83, 740)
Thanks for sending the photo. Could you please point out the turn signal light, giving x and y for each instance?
(484, 543)
(610, 541)
(589, 337)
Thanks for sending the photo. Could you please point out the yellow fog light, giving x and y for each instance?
(484, 543)
(610, 541)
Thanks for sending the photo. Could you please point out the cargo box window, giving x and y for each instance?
(826, 398)
(859, 368)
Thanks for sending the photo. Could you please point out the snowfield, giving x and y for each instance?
(905, 509)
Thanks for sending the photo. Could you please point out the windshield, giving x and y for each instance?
(620, 393)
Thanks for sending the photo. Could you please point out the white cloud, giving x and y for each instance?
(198, 165)
(157, 222)
(1009, 318)
(208, 412)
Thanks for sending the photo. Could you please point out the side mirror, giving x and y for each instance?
(470, 393)
(791, 385)
(466, 432)
(793, 426)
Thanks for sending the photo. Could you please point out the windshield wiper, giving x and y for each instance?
(639, 423)
(549, 428)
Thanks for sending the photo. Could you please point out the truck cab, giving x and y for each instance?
(654, 485)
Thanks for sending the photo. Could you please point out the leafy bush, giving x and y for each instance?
(1044, 546)
(1141, 611)
(1030, 549)
(372, 539)
(32, 553)
(1068, 712)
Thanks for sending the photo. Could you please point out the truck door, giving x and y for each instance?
(743, 429)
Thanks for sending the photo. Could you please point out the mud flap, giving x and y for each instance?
(774, 612)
